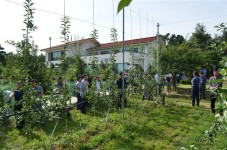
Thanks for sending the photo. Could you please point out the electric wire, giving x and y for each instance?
(132, 11)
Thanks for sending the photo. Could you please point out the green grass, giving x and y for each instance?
(224, 85)
(144, 126)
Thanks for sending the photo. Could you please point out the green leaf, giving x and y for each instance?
(223, 72)
(222, 90)
(122, 4)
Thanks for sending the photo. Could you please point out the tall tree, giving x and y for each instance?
(200, 38)
(181, 59)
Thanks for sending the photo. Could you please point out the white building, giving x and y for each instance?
(141, 52)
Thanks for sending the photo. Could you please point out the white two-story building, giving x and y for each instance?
(137, 50)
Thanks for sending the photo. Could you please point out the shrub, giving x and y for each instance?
(185, 81)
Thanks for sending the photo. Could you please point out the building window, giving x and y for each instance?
(53, 56)
(120, 67)
(135, 50)
(93, 53)
(104, 52)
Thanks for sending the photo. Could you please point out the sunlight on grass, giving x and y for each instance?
(145, 126)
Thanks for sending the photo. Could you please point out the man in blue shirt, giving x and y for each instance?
(202, 85)
(195, 88)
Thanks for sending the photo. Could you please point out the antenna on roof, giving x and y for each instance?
(64, 8)
(93, 15)
(147, 27)
(153, 26)
(113, 14)
(131, 22)
(140, 24)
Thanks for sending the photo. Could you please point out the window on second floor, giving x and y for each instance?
(53, 56)
(104, 52)
(93, 53)
(135, 50)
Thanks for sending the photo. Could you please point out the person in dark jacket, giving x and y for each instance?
(120, 86)
(195, 88)
(18, 96)
(202, 85)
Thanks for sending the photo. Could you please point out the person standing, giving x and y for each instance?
(38, 93)
(168, 84)
(195, 88)
(203, 70)
(202, 85)
(174, 80)
(83, 93)
(38, 90)
(214, 87)
(77, 90)
(59, 86)
(120, 86)
(98, 84)
(18, 96)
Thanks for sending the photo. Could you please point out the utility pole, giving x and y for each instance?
(50, 52)
(64, 8)
(123, 53)
(158, 51)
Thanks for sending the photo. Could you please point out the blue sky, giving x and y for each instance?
(174, 16)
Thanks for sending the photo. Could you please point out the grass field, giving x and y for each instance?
(144, 126)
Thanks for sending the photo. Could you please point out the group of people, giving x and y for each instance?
(83, 84)
(18, 96)
(82, 90)
(199, 87)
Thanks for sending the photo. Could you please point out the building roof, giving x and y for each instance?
(72, 43)
(1, 48)
(128, 42)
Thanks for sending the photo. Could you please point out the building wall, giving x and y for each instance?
(144, 60)
(71, 50)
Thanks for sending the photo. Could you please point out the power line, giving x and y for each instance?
(106, 27)
(175, 22)
(73, 18)
(190, 20)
